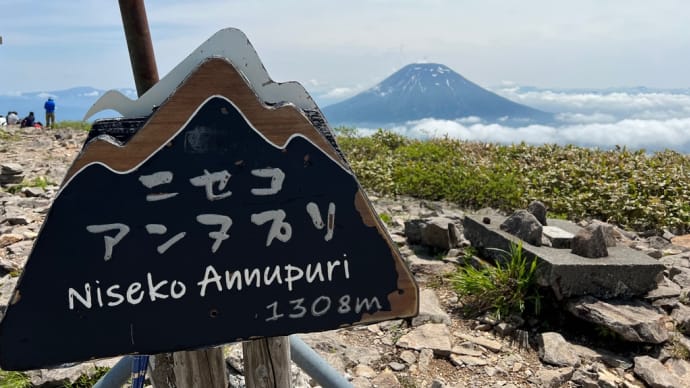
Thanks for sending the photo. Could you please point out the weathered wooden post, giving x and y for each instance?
(267, 362)
(227, 214)
(139, 44)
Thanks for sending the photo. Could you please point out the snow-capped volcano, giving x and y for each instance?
(427, 90)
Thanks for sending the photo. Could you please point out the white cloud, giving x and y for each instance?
(326, 95)
(340, 92)
(470, 120)
(575, 118)
(651, 135)
(618, 104)
(90, 94)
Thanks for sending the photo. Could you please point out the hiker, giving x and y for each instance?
(49, 106)
(12, 118)
(28, 121)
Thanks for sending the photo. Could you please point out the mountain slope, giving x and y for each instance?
(428, 90)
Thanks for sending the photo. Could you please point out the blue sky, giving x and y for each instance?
(336, 48)
(339, 48)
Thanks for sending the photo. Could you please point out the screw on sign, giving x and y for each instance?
(224, 217)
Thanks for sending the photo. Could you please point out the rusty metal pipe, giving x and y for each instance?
(139, 44)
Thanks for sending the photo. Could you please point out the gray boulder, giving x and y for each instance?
(680, 276)
(413, 230)
(680, 368)
(11, 169)
(681, 316)
(608, 229)
(435, 232)
(11, 173)
(434, 336)
(658, 242)
(585, 379)
(590, 243)
(525, 226)
(634, 320)
(555, 350)
(553, 378)
(653, 372)
(440, 232)
(430, 310)
(538, 210)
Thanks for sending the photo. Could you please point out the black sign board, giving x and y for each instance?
(222, 219)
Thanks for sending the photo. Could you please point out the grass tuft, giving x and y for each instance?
(503, 289)
(9, 379)
(73, 124)
(39, 181)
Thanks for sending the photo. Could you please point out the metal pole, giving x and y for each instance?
(118, 375)
(315, 366)
(304, 356)
(139, 44)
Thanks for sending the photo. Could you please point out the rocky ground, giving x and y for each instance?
(638, 344)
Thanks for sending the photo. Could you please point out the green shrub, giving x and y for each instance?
(502, 290)
(10, 379)
(39, 181)
(372, 161)
(386, 218)
(88, 380)
(389, 139)
(633, 189)
(6, 136)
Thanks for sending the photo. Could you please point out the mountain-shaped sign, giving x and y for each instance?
(221, 219)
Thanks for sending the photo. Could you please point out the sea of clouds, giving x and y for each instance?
(637, 118)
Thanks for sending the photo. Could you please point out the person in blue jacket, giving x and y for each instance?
(50, 112)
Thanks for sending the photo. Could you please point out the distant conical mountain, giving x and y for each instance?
(428, 90)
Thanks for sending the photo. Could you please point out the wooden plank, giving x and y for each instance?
(200, 368)
(189, 369)
(162, 371)
(267, 362)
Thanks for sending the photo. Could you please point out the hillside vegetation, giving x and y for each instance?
(634, 189)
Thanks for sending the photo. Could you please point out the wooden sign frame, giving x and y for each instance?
(223, 218)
